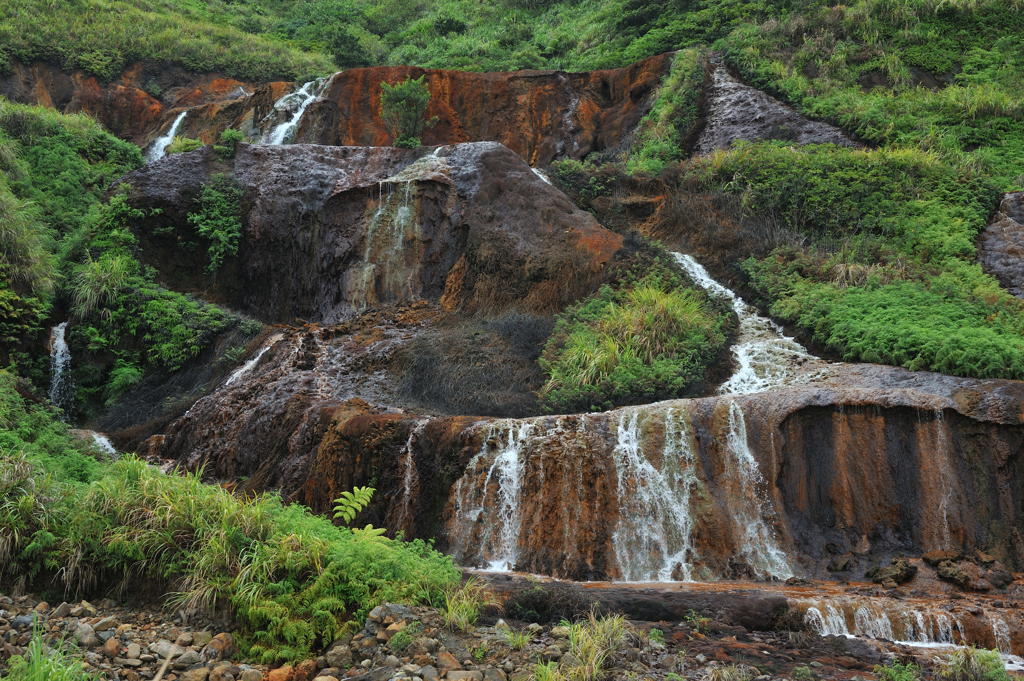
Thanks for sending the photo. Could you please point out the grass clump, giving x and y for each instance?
(973, 664)
(592, 642)
(219, 219)
(181, 145)
(41, 663)
(516, 640)
(644, 339)
(463, 604)
(898, 670)
(663, 133)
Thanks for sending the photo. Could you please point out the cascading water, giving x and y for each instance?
(652, 539)
(61, 386)
(509, 463)
(104, 443)
(759, 545)
(156, 152)
(541, 174)
(765, 355)
(296, 102)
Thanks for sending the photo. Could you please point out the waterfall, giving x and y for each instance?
(765, 355)
(509, 463)
(156, 152)
(652, 539)
(541, 174)
(61, 387)
(295, 102)
(409, 475)
(245, 368)
(759, 545)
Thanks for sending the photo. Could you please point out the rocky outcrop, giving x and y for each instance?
(865, 462)
(134, 106)
(328, 231)
(735, 111)
(1001, 244)
(540, 115)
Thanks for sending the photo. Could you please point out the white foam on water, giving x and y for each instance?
(297, 102)
(765, 356)
(245, 368)
(653, 537)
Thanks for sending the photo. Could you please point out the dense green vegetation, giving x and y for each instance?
(292, 579)
(647, 335)
(66, 250)
(402, 109)
(299, 39)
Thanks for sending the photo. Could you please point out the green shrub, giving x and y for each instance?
(402, 109)
(650, 339)
(39, 663)
(219, 219)
(898, 670)
(973, 664)
(229, 141)
(180, 145)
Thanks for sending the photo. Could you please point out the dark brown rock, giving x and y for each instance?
(898, 571)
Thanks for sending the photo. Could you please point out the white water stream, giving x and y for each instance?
(61, 387)
(653, 536)
(156, 152)
(766, 357)
(296, 104)
(245, 368)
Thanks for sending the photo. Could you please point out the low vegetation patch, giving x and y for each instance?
(645, 337)
(292, 580)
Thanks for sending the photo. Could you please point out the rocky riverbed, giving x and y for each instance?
(399, 642)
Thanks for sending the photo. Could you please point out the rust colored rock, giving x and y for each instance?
(306, 670)
(220, 647)
(447, 662)
(540, 115)
(285, 673)
(112, 647)
(936, 558)
(123, 106)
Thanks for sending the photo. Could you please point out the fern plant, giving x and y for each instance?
(349, 504)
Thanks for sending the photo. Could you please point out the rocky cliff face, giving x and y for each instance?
(859, 465)
(328, 231)
(133, 106)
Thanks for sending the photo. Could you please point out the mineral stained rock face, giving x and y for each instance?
(133, 106)
(540, 115)
(867, 463)
(331, 230)
(1001, 244)
(739, 112)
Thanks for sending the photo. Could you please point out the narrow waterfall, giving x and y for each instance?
(541, 174)
(759, 545)
(509, 464)
(491, 527)
(62, 389)
(295, 103)
(245, 368)
(156, 152)
(652, 540)
(410, 476)
(765, 356)
(103, 443)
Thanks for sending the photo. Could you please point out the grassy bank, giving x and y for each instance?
(292, 580)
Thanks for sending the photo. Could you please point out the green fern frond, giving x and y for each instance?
(349, 504)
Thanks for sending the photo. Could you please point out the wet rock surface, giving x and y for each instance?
(739, 112)
(331, 230)
(1001, 244)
